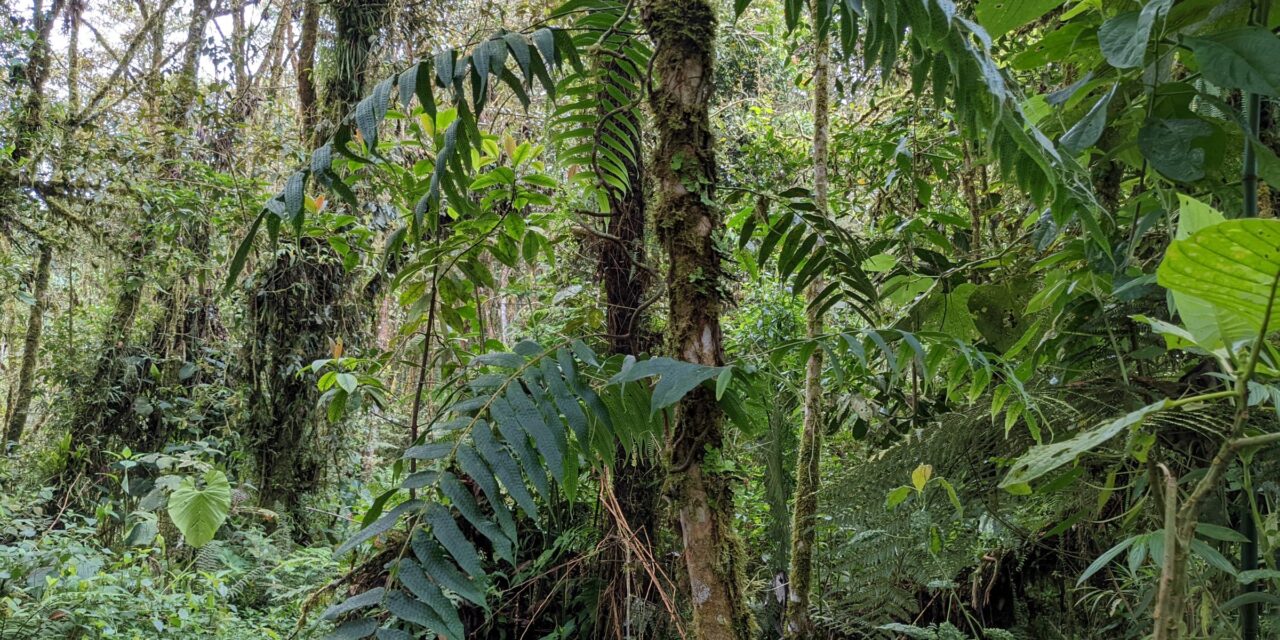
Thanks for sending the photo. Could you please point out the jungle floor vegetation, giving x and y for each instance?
(639, 319)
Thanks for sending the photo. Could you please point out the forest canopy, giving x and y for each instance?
(623, 319)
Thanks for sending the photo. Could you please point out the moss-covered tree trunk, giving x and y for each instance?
(688, 223)
(31, 346)
(809, 456)
(106, 415)
(303, 300)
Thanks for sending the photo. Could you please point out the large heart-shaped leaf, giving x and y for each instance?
(1123, 39)
(1232, 265)
(198, 511)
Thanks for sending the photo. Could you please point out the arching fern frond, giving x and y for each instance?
(597, 127)
(459, 79)
(519, 434)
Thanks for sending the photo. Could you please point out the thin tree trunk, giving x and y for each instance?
(105, 419)
(809, 456)
(37, 73)
(31, 346)
(73, 54)
(622, 269)
(307, 114)
(684, 171)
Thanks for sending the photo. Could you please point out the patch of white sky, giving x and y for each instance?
(115, 24)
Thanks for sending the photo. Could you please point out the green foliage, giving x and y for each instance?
(198, 511)
(540, 415)
(1232, 265)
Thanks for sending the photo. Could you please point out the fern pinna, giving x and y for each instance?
(519, 431)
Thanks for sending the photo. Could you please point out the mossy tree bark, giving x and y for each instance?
(809, 456)
(31, 345)
(688, 224)
(304, 300)
(25, 140)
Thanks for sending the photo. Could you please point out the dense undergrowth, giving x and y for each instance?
(662, 319)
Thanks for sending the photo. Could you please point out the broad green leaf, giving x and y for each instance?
(1254, 575)
(446, 530)
(379, 526)
(198, 511)
(358, 601)
(1124, 38)
(242, 253)
(434, 563)
(1175, 148)
(466, 504)
(1217, 532)
(1249, 598)
(1002, 16)
(353, 629)
(896, 497)
(1209, 328)
(505, 468)
(348, 382)
(475, 467)
(1085, 134)
(1045, 458)
(1212, 556)
(676, 379)
(1106, 557)
(415, 611)
(1232, 266)
(413, 578)
(518, 440)
(879, 263)
(1247, 59)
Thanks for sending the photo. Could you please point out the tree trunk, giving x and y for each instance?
(37, 73)
(357, 24)
(304, 298)
(809, 456)
(31, 346)
(306, 69)
(105, 416)
(687, 219)
(636, 483)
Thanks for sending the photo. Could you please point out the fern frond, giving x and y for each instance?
(535, 414)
